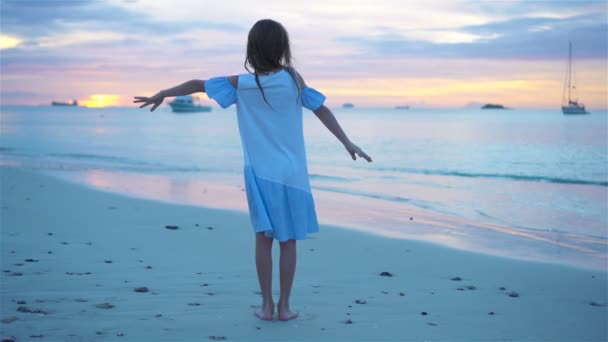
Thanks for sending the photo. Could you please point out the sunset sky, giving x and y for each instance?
(372, 53)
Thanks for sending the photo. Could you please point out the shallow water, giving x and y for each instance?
(529, 184)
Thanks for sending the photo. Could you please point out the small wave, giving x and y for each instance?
(530, 178)
(314, 176)
(417, 203)
(85, 161)
(90, 156)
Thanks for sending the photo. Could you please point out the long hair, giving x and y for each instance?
(267, 50)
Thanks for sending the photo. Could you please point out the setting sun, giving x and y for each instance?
(101, 100)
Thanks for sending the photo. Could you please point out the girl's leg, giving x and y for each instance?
(263, 263)
(288, 269)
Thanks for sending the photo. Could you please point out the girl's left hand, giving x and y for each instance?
(155, 100)
(355, 151)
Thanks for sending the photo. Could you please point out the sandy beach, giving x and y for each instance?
(85, 265)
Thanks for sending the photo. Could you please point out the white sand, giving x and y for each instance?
(335, 268)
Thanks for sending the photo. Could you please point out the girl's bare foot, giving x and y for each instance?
(265, 312)
(285, 314)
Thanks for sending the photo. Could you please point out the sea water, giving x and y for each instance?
(529, 184)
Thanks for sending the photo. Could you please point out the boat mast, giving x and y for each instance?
(569, 70)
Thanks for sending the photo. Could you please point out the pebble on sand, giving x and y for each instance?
(386, 274)
(9, 319)
(141, 289)
(36, 311)
(104, 306)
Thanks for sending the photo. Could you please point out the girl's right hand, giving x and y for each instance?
(354, 150)
(155, 100)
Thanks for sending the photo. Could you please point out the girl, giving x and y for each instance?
(269, 103)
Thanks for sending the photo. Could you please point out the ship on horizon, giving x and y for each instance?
(188, 104)
(74, 103)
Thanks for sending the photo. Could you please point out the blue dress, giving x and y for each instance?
(275, 169)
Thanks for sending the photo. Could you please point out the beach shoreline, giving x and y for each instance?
(371, 215)
(77, 255)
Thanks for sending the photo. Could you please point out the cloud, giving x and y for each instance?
(37, 21)
(520, 38)
(87, 47)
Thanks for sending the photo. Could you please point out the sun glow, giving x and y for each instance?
(101, 100)
(444, 92)
(7, 42)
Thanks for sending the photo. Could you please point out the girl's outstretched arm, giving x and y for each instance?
(186, 88)
(329, 120)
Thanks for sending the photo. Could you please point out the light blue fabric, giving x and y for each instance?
(219, 89)
(280, 211)
(275, 168)
(312, 99)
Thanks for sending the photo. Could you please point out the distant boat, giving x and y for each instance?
(572, 106)
(348, 105)
(74, 103)
(187, 104)
(402, 107)
(493, 106)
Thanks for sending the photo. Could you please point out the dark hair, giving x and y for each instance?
(268, 49)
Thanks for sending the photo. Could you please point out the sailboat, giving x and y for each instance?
(572, 106)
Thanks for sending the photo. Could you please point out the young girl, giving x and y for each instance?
(269, 103)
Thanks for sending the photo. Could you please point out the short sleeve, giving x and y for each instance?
(219, 89)
(312, 99)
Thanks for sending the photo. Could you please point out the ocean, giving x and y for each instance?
(526, 184)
